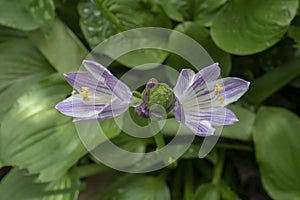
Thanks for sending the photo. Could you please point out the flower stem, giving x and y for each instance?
(177, 183)
(188, 186)
(218, 169)
(159, 140)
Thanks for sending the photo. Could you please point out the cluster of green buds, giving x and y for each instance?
(156, 96)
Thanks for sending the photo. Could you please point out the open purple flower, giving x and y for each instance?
(201, 99)
(100, 95)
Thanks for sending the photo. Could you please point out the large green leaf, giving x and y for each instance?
(35, 136)
(242, 129)
(208, 191)
(43, 12)
(294, 32)
(202, 11)
(112, 16)
(60, 46)
(93, 24)
(196, 31)
(120, 154)
(247, 27)
(9, 33)
(14, 15)
(21, 65)
(140, 187)
(18, 184)
(276, 138)
(134, 13)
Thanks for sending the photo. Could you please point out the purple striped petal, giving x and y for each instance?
(185, 79)
(74, 107)
(84, 79)
(179, 112)
(201, 128)
(111, 110)
(234, 88)
(206, 75)
(216, 117)
(101, 73)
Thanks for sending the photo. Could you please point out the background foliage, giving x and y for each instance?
(41, 156)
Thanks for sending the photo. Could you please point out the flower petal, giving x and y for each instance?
(102, 74)
(216, 117)
(185, 79)
(178, 112)
(74, 107)
(83, 79)
(206, 75)
(111, 110)
(201, 128)
(234, 88)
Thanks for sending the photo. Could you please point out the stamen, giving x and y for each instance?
(218, 88)
(85, 93)
(221, 100)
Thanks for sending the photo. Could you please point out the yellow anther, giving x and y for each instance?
(85, 93)
(218, 88)
(221, 99)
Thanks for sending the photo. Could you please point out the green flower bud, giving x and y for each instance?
(159, 93)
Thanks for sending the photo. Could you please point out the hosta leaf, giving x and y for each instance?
(205, 11)
(60, 46)
(36, 137)
(21, 65)
(196, 31)
(208, 191)
(134, 14)
(140, 187)
(294, 32)
(94, 25)
(276, 139)
(120, 155)
(9, 33)
(242, 129)
(19, 184)
(112, 16)
(202, 11)
(247, 27)
(43, 12)
(13, 14)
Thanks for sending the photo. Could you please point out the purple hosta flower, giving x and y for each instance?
(100, 95)
(201, 99)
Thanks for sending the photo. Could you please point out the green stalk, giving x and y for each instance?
(188, 183)
(159, 140)
(218, 169)
(177, 183)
